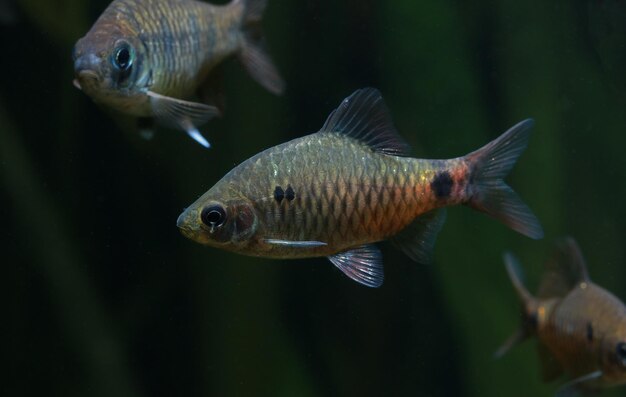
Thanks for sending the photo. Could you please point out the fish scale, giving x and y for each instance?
(337, 192)
(177, 36)
(360, 185)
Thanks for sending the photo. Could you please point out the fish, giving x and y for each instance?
(152, 58)
(580, 326)
(8, 15)
(339, 191)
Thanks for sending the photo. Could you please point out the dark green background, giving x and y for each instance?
(104, 297)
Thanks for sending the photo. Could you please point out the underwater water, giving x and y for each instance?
(105, 296)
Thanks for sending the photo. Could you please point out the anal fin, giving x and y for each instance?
(418, 239)
(363, 264)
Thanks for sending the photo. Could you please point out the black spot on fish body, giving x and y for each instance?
(589, 332)
(289, 193)
(442, 184)
(279, 194)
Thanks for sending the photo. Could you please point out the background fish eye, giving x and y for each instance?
(213, 216)
(621, 353)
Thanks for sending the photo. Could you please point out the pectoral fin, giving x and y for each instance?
(576, 387)
(363, 264)
(418, 239)
(181, 114)
(295, 244)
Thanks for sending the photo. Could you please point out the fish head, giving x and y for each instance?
(109, 66)
(226, 223)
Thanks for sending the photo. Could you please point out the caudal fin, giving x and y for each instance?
(514, 270)
(252, 54)
(490, 194)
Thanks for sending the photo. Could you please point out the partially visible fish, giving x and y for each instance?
(581, 327)
(338, 191)
(7, 12)
(148, 58)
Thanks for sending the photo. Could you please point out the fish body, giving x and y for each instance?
(354, 197)
(336, 192)
(580, 326)
(149, 58)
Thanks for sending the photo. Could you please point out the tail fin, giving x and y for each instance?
(490, 194)
(252, 54)
(514, 270)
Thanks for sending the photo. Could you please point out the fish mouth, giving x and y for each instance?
(184, 226)
(87, 75)
(87, 80)
(85, 68)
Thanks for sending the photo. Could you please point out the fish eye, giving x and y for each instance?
(213, 216)
(621, 352)
(123, 60)
(123, 57)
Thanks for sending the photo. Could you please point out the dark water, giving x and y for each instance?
(104, 297)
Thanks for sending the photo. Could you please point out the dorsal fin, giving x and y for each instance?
(365, 117)
(564, 270)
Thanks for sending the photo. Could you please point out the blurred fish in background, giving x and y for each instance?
(7, 12)
(581, 327)
(150, 58)
(336, 192)
(607, 33)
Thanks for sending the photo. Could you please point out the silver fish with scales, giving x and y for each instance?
(150, 58)
(337, 192)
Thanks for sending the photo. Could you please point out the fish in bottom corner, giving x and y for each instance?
(151, 59)
(337, 192)
(580, 326)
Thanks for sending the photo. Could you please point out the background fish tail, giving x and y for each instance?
(489, 193)
(252, 54)
(528, 302)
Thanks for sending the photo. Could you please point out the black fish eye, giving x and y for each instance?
(123, 59)
(213, 216)
(621, 352)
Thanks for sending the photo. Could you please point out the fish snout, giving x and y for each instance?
(87, 65)
(185, 223)
(180, 222)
